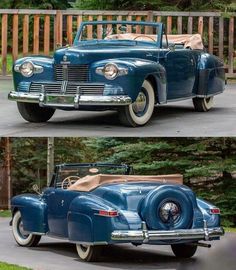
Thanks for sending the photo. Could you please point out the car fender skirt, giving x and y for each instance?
(157, 199)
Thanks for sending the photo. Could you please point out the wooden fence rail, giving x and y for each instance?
(24, 31)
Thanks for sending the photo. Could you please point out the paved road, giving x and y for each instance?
(177, 119)
(54, 254)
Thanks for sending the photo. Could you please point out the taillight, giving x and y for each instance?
(215, 211)
(105, 213)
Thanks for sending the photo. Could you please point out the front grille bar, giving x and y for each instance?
(67, 88)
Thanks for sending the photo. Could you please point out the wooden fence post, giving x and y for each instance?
(47, 34)
(58, 28)
(26, 35)
(4, 43)
(36, 34)
(15, 37)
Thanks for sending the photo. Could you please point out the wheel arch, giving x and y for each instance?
(159, 87)
(33, 212)
(84, 223)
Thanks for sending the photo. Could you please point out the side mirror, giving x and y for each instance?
(36, 189)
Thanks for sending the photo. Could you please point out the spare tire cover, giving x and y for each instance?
(157, 198)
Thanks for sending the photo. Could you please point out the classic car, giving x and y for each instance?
(118, 65)
(96, 205)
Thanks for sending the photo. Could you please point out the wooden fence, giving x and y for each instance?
(3, 188)
(24, 32)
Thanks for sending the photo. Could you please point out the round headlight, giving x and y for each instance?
(111, 71)
(27, 69)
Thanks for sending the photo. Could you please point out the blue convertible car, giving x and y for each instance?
(95, 205)
(118, 65)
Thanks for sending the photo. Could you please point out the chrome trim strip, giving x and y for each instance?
(121, 100)
(146, 236)
(101, 243)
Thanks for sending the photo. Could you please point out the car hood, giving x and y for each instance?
(82, 54)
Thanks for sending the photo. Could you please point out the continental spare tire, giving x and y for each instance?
(167, 208)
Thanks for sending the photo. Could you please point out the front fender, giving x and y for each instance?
(33, 212)
(138, 71)
(46, 75)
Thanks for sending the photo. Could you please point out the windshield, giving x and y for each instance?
(119, 31)
(83, 170)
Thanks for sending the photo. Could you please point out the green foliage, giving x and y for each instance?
(167, 5)
(7, 266)
(208, 164)
(5, 213)
(29, 159)
(39, 4)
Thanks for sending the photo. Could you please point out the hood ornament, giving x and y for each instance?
(65, 60)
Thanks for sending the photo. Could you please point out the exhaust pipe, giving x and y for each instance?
(201, 245)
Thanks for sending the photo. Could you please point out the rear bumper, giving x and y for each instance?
(69, 101)
(189, 234)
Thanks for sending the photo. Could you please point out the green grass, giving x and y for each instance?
(230, 229)
(6, 266)
(9, 64)
(5, 213)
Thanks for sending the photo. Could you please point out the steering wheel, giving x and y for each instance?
(68, 181)
(144, 36)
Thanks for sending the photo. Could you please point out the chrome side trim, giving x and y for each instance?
(121, 100)
(100, 243)
(146, 236)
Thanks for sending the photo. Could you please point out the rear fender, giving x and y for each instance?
(86, 226)
(213, 220)
(211, 75)
(33, 212)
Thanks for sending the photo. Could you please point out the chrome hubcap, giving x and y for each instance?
(169, 212)
(139, 105)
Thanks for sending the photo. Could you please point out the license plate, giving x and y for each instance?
(60, 100)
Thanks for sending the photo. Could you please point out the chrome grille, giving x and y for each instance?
(70, 89)
(79, 73)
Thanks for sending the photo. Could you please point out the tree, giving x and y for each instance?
(39, 4)
(208, 164)
(157, 4)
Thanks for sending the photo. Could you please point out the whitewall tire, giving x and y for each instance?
(22, 237)
(89, 253)
(203, 104)
(139, 112)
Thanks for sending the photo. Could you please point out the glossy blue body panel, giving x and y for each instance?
(178, 74)
(74, 215)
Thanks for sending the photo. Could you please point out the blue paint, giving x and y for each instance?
(179, 74)
(74, 215)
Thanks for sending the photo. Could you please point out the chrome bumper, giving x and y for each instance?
(77, 100)
(189, 234)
